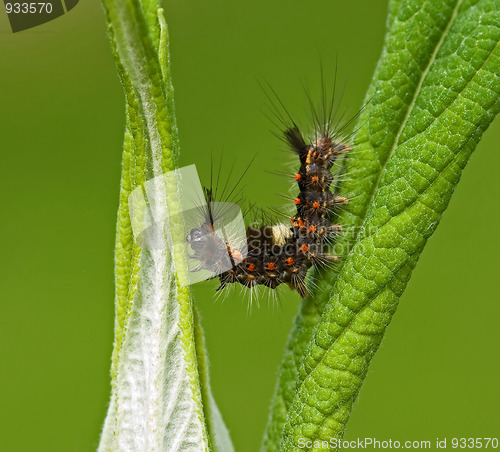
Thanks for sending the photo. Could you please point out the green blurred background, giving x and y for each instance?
(62, 119)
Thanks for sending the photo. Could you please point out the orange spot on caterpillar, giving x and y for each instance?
(251, 267)
(304, 248)
(271, 266)
(297, 201)
(316, 204)
(312, 228)
(297, 222)
(298, 176)
(290, 261)
(315, 179)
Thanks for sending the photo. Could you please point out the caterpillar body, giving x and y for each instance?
(281, 254)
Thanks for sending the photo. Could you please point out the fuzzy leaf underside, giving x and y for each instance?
(435, 91)
(160, 398)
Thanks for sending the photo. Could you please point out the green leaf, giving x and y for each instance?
(160, 398)
(435, 91)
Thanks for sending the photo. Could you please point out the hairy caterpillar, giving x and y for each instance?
(282, 254)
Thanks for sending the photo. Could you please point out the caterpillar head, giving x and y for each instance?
(202, 238)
